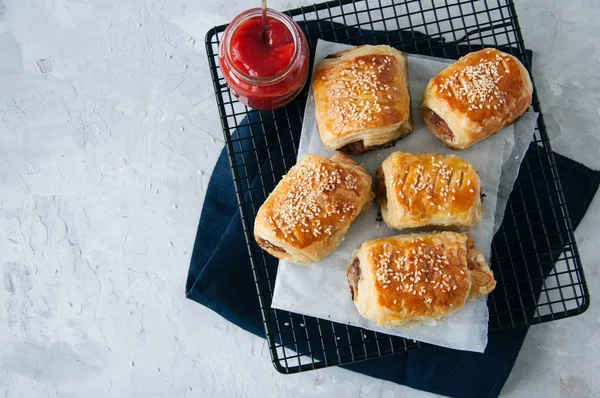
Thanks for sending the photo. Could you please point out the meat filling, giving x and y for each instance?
(353, 275)
(380, 189)
(358, 147)
(265, 244)
(440, 126)
(334, 55)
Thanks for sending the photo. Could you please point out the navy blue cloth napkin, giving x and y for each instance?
(220, 278)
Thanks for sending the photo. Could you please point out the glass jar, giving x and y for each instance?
(264, 73)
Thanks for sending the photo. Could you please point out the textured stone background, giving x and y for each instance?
(108, 134)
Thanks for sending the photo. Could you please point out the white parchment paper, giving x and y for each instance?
(321, 289)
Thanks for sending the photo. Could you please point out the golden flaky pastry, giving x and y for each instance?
(308, 213)
(417, 278)
(428, 190)
(362, 99)
(475, 97)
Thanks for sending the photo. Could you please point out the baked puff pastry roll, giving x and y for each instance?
(415, 278)
(428, 190)
(475, 97)
(308, 213)
(362, 99)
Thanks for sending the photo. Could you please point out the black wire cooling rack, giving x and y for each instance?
(534, 254)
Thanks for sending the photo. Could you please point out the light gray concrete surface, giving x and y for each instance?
(108, 135)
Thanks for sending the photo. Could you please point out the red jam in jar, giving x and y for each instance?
(264, 68)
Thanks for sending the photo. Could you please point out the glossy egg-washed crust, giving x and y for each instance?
(308, 213)
(362, 99)
(475, 97)
(428, 190)
(418, 277)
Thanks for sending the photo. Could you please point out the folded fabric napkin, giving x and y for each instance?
(220, 275)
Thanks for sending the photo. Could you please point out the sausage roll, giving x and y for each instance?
(476, 97)
(419, 277)
(362, 99)
(308, 213)
(428, 190)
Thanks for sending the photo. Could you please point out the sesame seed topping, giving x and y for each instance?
(477, 84)
(416, 268)
(305, 206)
(362, 80)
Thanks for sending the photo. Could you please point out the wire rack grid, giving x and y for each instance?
(534, 254)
